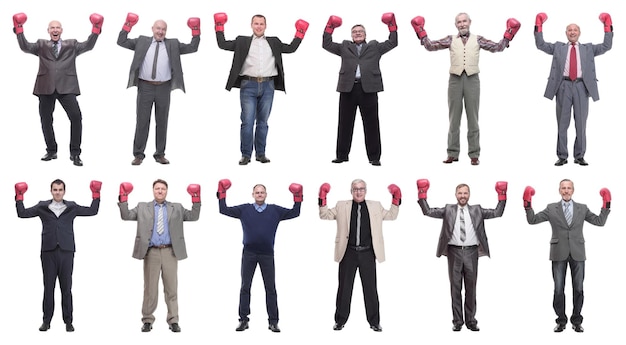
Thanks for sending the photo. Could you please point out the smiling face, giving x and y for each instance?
(55, 30)
(159, 29)
(359, 189)
(572, 32)
(358, 34)
(462, 195)
(566, 189)
(160, 192)
(258, 26)
(58, 191)
(259, 194)
(462, 22)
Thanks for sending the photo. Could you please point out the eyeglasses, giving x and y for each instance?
(358, 31)
(354, 190)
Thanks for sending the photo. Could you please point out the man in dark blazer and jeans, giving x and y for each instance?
(57, 243)
(360, 81)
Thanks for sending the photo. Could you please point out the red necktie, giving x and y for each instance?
(573, 63)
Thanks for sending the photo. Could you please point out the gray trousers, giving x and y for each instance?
(148, 95)
(572, 94)
(463, 272)
(160, 263)
(463, 91)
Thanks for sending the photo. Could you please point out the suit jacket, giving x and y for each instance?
(567, 239)
(587, 53)
(241, 46)
(143, 213)
(371, 52)
(57, 230)
(342, 213)
(56, 73)
(174, 50)
(448, 214)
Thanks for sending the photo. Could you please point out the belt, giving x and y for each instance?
(573, 81)
(360, 248)
(463, 247)
(257, 79)
(154, 82)
(161, 246)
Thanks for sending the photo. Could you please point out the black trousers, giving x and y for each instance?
(367, 102)
(365, 262)
(59, 264)
(463, 271)
(46, 109)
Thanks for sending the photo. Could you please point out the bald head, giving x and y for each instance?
(159, 29)
(572, 32)
(55, 30)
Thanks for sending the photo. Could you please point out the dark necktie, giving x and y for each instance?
(462, 225)
(55, 49)
(358, 224)
(573, 63)
(154, 63)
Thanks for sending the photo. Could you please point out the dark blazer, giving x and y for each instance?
(587, 53)
(567, 239)
(56, 73)
(57, 231)
(371, 78)
(144, 215)
(477, 214)
(174, 50)
(241, 46)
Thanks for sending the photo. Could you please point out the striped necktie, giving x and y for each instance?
(160, 224)
(568, 213)
(462, 225)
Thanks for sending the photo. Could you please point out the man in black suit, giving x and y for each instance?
(463, 239)
(156, 71)
(360, 81)
(57, 243)
(257, 70)
(57, 80)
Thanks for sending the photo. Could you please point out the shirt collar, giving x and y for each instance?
(260, 208)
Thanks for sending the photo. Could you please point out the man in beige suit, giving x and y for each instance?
(160, 243)
(359, 243)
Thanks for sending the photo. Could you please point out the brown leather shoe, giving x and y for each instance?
(161, 159)
(475, 161)
(137, 160)
(451, 159)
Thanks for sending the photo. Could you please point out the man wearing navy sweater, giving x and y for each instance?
(259, 222)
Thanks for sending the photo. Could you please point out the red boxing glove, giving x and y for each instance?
(194, 191)
(606, 197)
(95, 187)
(528, 196)
(20, 189)
(194, 24)
(512, 26)
(418, 25)
(301, 27)
(333, 23)
(96, 20)
(605, 18)
(220, 19)
(501, 187)
(18, 21)
(125, 189)
(396, 194)
(390, 19)
(422, 188)
(131, 20)
(324, 189)
(222, 187)
(296, 190)
(539, 20)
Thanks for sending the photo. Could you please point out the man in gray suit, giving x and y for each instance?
(463, 239)
(360, 81)
(156, 70)
(57, 79)
(573, 80)
(160, 243)
(567, 245)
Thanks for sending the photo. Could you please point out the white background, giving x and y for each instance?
(518, 140)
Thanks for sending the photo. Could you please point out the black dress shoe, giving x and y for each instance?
(243, 325)
(49, 156)
(560, 162)
(473, 328)
(338, 326)
(262, 159)
(451, 159)
(137, 161)
(456, 328)
(376, 328)
(340, 160)
(274, 328)
(559, 328)
(69, 327)
(76, 160)
(375, 163)
(244, 160)
(44, 327)
(161, 159)
(175, 328)
(581, 161)
(474, 161)
(578, 328)
(147, 327)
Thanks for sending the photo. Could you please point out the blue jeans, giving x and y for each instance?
(256, 104)
(577, 270)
